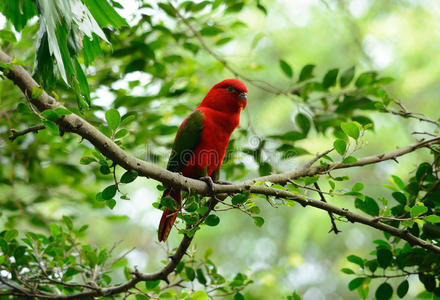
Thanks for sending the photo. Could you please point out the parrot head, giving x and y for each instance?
(229, 95)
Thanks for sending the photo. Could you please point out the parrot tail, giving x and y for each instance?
(168, 216)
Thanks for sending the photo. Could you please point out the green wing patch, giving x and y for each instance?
(186, 141)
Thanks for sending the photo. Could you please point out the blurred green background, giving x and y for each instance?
(293, 251)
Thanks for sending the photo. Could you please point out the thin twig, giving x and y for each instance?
(405, 113)
(332, 218)
(15, 134)
(257, 83)
(317, 157)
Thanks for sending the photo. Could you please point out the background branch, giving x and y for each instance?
(15, 134)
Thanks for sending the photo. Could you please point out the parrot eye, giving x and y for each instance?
(230, 89)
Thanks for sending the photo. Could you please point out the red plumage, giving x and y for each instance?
(219, 114)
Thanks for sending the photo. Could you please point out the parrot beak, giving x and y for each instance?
(242, 97)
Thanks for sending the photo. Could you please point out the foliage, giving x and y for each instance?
(152, 70)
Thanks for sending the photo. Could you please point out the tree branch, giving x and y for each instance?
(257, 83)
(74, 123)
(332, 218)
(15, 134)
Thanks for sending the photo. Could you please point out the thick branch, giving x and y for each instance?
(74, 123)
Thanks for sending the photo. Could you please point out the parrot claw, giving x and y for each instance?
(209, 182)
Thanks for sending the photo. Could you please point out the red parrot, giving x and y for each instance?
(201, 140)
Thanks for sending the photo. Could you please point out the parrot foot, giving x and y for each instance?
(209, 182)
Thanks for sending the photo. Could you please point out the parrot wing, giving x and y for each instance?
(187, 139)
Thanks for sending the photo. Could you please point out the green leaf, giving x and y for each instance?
(121, 133)
(347, 271)
(402, 289)
(111, 203)
(384, 257)
(399, 182)
(357, 187)
(52, 127)
(291, 136)
(210, 31)
(62, 111)
(36, 92)
(369, 206)
(286, 68)
(202, 210)
(10, 235)
(349, 160)
(235, 7)
(432, 219)
(7, 67)
(190, 274)
(355, 283)
(191, 219)
(109, 192)
(91, 49)
(82, 80)
(238, 296)
(150, 285)
(169, 203)
(54, 229)
(259, 221)
(347, 77)
(239, 199)
(329, 79)
(264, 168)
(105, 14)
(200, 276)
(223, 41)
(50, 115)
(303, 123)
(113, 118)
(356, 260)
(64, 59)
(129, 176)
(428, 281)
(99, 197)
(212, 220)
(191, 206)
(365, 79)
(104, 169)
(306, 72)
(294, 296)
(399, 197)
(198, 295)
(418, 210)
(340, 146)
(127, 118)
(350, 129)
(68, 222)
(18, 12)
(86, 160)
(384, 291)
